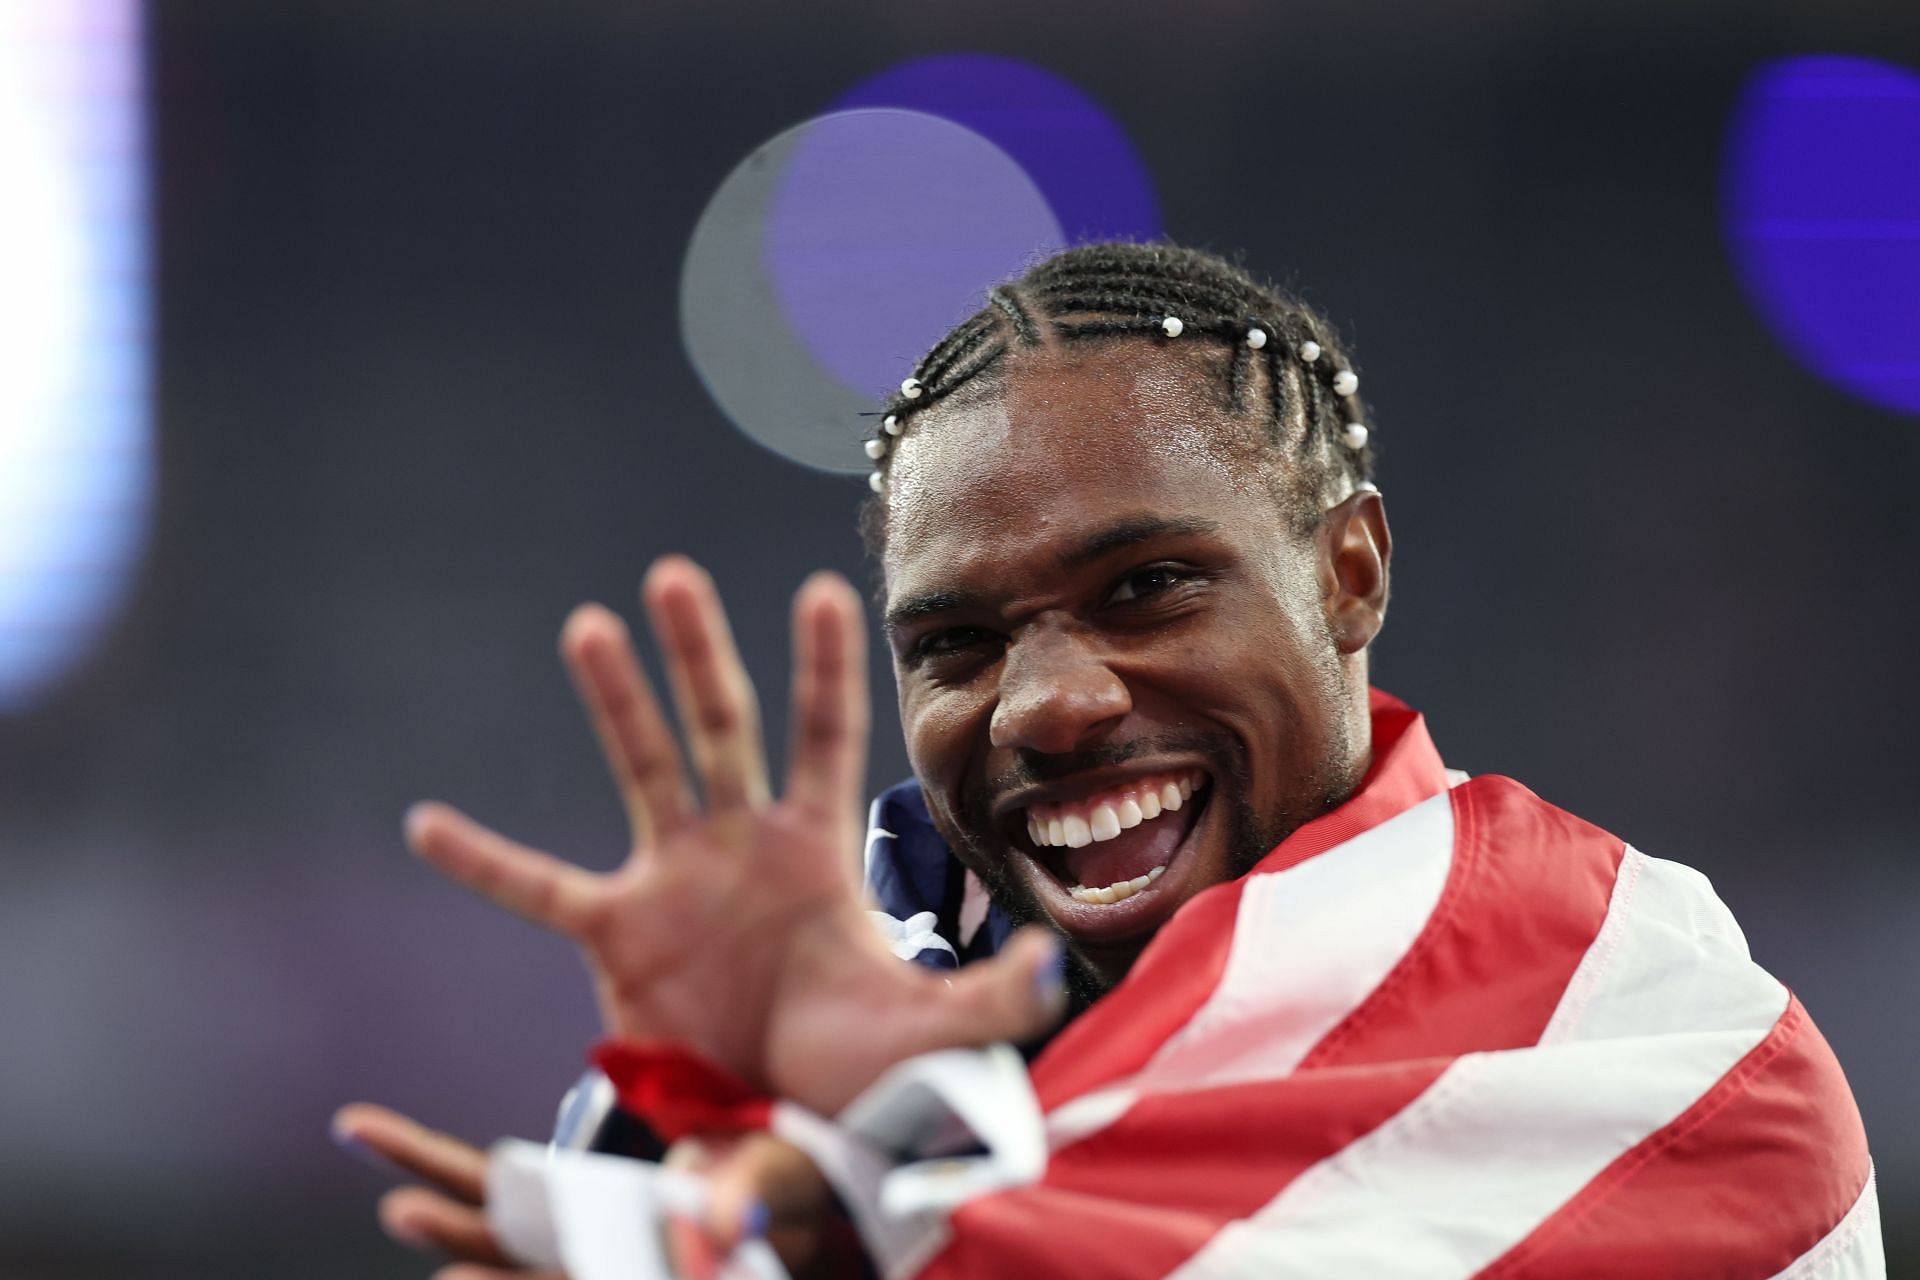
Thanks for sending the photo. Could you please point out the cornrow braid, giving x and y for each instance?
(1159, 292)
(1016, 315)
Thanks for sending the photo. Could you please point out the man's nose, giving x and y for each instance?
(1057, 694)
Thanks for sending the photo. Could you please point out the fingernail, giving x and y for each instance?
(754, 1224)
(409, 1233)
(352, 1145)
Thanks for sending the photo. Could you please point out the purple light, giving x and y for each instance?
(1822, 206)
(817, 274)
(1076, 154)
(887, 229)
(837, 253)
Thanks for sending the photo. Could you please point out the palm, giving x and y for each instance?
(739, 930)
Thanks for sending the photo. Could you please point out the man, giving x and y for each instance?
(1343, 1012)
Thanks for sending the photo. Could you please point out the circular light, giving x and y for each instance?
(834, 256)
(1822, 206)
(1069, 145)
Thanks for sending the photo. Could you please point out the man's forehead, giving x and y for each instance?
(1065, 425)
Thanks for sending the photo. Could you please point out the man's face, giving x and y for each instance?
(1122, 670)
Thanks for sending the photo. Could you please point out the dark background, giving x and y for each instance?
(420, 390)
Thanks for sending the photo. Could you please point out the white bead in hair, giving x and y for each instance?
(1355, 436)
(1172, 326)
(911, 388)
(876, 482)
(876, 449)
(1346, 382)
(1309, 351)
(891, 424)
(1256, 338)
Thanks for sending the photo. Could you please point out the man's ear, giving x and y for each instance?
(1356, 554)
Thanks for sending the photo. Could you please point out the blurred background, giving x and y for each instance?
(343, 348)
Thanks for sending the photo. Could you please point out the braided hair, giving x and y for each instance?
(1312, 408)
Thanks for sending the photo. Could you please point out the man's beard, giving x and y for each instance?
(1250, 836)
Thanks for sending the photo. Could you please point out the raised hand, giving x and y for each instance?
(737, 927)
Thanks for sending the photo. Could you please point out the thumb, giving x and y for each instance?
(1016, 995)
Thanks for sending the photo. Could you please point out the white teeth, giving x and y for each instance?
(1108, 894)
(1110, 817)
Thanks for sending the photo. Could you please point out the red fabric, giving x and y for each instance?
(1528, 890)
(1749, 1177)
(676, 1092)
(1182, 965)
(1485, 973)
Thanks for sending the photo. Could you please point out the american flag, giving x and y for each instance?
(1445, 1030)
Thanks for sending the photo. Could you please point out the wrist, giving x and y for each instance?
(677, 1092)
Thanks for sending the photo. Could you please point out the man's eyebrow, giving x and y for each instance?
(928, 602)
(1130, 532)
(1122, 533)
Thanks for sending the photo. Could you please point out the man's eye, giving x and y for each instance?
(1142, 583)
(952, 640)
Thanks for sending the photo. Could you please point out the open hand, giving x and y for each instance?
(738, 928)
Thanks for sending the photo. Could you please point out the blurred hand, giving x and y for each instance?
(758, 1183)
(738, 929)
(449, 1213)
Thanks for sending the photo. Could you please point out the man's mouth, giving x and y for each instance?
(1094, 853)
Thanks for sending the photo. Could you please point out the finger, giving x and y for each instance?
(693, 1256)
(1016, 995)
(765, 1184)
(423, 1219)
(710, 685)
(453, 1165)
(634, 735)
(528, 883)
(827, 766)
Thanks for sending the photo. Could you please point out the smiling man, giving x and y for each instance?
(1130, 583)
(1341, 1011)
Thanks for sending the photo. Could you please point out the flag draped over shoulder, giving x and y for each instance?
(1440, 1031)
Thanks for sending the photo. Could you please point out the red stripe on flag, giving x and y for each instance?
(1141, 1197)
(1118, 1035)
(1747, 1179)
(1225, 1151)
(1049, 1232)
(1528, 892)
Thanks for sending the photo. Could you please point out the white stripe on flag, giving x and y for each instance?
(1851, 1251)
(1309, 944)
(1501, 1140)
